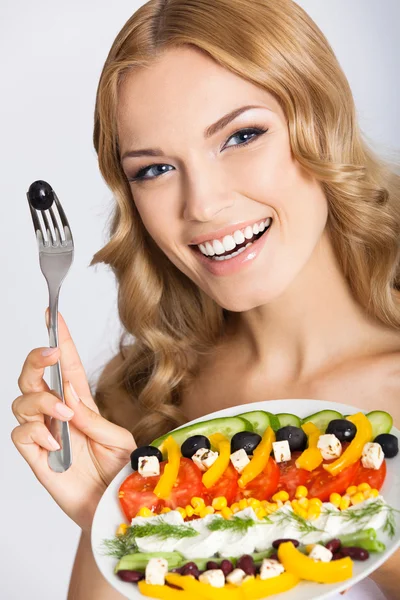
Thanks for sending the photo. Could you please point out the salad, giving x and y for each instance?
(247, 506)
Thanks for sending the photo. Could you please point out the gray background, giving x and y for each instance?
(51, 57)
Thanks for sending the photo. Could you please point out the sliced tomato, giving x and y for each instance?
(291, 477)
(321, 484)
(137, 491)
(264, 485)
(375, 477)
(225, 486)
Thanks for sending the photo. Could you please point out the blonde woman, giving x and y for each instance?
(213, 116)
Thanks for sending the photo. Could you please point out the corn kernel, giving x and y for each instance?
(303, 502)
(145, 512)
(314, 511)
(374, 493)
(207, 510)
(181, 511)
(197, 502)
(335, 499)
(226, 512)
(260, 512)
(302, 512)
(351, 490)
(363, 487)
(366, 494)
(344, 502)
(122, 529)
(243, 504)
(189, 510)
(219, 503)
(235, 507)
(357, 498)
(301, 491)
(164, 510)
(254, 503)
(314, 502)
(264, 503)
(282, 496)
(294, 503)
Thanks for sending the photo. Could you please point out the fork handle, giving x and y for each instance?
(58, 460)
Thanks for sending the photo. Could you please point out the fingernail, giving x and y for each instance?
(75, 395)
(49, 351)
(64, 411)
(53, 442)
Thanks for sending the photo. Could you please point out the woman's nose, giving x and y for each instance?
(205, 196)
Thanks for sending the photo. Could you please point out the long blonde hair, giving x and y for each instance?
(276, 45)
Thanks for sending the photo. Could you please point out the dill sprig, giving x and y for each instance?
(120, 545)
(235, 523)
(360, 515)
(163, 530)
(302, 524)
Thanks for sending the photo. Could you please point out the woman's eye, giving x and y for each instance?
(247, 135)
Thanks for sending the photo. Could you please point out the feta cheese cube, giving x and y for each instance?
(214, 577)
(329, 445)
(204, 458)
(239, 459)
(236, 576)
(281, 451)
(155, 572)
(148, 466)
(320, 553)
(270, 568)
(372, 455)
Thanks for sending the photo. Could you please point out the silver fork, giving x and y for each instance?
(56, 252)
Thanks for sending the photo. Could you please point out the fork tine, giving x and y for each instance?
(61, 212)
(38, 227)
(48, 221)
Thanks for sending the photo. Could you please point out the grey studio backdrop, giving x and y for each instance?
(51, 57)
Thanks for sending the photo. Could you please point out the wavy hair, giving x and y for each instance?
(276, 45)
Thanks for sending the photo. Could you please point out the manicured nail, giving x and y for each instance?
(74, 394)
(64, 411)
(49, 351)
(53, 442)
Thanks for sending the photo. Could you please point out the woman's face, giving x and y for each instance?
(197, 187)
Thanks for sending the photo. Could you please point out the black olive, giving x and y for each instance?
(294, 435)
(40, 195)
(344, 430)
(248, 440)
(144, 451)
(194, 443)
(389, 444)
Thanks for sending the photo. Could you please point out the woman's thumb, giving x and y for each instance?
(93, 425)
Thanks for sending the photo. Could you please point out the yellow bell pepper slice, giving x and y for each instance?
(311, 458)
(218, 468)
(171, 469)
(308, 569)
(256, 588)
(204, 590)
(163, 591)
(354, 451)
(260, 458)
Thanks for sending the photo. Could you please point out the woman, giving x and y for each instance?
(311, 310)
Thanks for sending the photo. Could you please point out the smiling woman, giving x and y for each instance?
(255, 240)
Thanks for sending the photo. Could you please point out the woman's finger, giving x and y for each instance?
(31, 377)
(34, 407)
(33, 441)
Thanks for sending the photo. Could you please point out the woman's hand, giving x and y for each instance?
(100, 449)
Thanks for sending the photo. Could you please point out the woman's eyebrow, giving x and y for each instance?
(209, 132)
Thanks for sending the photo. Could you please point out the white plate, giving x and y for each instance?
(109, 514)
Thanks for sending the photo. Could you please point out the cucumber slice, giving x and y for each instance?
(288, 419)
(258, 418)
(228, 426)
(274, 421)
(321, 419)
(138, 560)
(381, 422)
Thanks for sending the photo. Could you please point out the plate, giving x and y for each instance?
(109, 515)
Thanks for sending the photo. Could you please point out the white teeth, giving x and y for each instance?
(248, 232)
(210, 249)
(218, 247)
(255, 229)
(203, 249)
(238, 237)
(261, 226)
(228, 243)
(231, 255)
(268, 222)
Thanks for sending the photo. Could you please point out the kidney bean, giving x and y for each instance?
(190, 569)
(226, 567)
(337, 555)
(333, 545)
(130, 576)
(277, 543)
(274, 556)
(355, 553)
(212, 565)
(246, 562)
